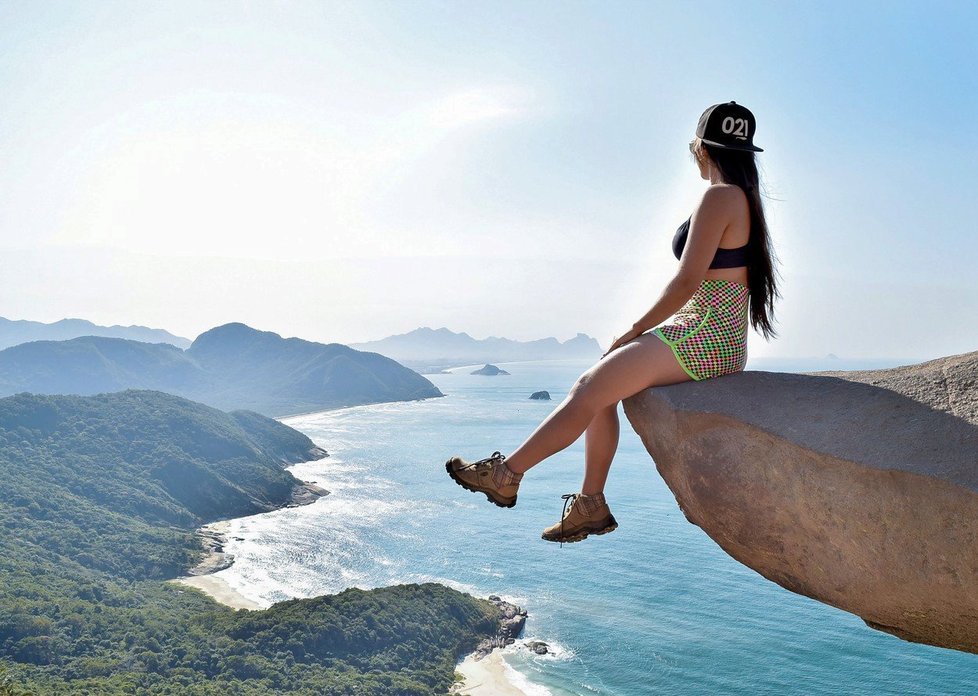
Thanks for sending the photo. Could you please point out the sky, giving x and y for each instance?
(343, 171)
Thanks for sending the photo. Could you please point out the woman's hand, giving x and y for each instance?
(626, 337)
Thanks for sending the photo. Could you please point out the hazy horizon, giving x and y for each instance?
(862, 364)
(345, 172)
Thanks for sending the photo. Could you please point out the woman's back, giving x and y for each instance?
(730, 209)
(737, 234)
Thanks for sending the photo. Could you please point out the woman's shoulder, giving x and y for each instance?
(724, 199)
(724, 194)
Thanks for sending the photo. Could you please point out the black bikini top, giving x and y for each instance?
(724, 258)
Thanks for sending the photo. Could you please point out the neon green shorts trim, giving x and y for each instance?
(708, 335)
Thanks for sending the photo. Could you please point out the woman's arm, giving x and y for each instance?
(709, 221)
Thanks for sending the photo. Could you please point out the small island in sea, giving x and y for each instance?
(489, 371)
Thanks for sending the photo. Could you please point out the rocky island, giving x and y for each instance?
(489, 371)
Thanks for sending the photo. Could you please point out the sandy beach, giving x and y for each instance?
(213, 538)
(487, 677)
(218, 590)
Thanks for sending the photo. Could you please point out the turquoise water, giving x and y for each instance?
(654, 608)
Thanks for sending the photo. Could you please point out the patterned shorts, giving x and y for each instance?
(708, 335)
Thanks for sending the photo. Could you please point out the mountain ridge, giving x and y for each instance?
(231, 367)
(426, 347)
(16, 331)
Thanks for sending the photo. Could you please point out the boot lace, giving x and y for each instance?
(488, 461)
(569, 499)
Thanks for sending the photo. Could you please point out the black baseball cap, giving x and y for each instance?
(729, 126)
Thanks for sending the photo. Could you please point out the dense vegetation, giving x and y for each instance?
(230, 367)
(98, 502)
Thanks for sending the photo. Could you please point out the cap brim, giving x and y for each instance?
(724, 146)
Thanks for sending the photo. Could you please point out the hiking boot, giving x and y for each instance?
(587, 514)
(490, 476)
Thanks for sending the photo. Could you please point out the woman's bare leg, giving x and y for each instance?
(600, 445)
(643, 363)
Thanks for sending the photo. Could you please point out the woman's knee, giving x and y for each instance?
(582, 385)
(628, 370)
(591, 392)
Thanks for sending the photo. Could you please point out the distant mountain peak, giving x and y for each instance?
(236, 327)
(429, 347)
(233, 329)
(428, 331)
(17, 331)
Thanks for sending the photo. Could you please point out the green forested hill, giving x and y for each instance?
(112, 462)
(229, 367)
(99, 497)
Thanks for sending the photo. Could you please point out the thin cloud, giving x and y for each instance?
(479, 105)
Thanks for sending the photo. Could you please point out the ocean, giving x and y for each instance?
(652, 608)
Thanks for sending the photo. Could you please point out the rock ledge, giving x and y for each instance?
(858, 489)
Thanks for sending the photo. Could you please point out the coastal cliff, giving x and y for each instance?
(858, 489)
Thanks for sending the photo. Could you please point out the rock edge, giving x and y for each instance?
(857, 489)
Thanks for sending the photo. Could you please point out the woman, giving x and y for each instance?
(725, 275)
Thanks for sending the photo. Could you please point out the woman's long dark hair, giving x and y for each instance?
(738, 167)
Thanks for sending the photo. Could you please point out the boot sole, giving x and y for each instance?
(507, 504)
(584, 533)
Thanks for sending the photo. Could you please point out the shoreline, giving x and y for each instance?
(214, 538)
(484, 672)
(284, 417)
(219, 590)
(486, 677)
